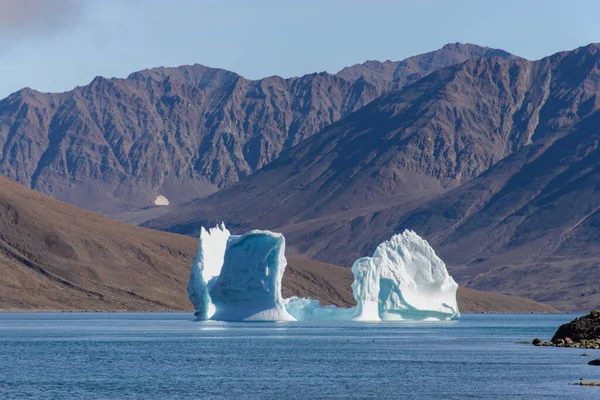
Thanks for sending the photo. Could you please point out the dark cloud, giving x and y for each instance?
(23, 17)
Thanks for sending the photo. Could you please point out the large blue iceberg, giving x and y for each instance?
(249, 285)
(238, 278)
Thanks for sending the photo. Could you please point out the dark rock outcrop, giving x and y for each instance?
(591, 383)
(581, 332)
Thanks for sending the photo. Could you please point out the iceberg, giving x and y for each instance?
(248, 287)
(404, 279)
(238, 278)
(207, 265)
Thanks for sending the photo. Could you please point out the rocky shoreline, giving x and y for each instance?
(568, 342)
(582, 332)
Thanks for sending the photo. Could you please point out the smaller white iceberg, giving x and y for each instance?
(404, 279)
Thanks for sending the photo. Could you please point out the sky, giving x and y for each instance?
(55, 45)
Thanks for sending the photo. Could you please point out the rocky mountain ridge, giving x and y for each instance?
(115, 145)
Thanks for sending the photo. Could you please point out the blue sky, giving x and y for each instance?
(55, 45)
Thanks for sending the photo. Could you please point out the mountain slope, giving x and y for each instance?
(116, 144)
(342, 191)
(410, 143)
(529, 225)
(54, 256)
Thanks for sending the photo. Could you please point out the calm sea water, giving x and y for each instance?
(170, 356)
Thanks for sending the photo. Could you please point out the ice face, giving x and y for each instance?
(248, 287)
(366, 289)
(408, 280)
(206, 266)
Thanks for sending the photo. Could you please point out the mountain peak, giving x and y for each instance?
(26, 92)
(592, 48)
(461, 47)
(413, 68)
(474, 50)
(26, 95)
(191, 74)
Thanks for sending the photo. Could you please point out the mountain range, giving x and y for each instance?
(115, 145)
(489, 156)
(492, 160)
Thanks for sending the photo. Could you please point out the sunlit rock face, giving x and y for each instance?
(161, 201)
(404, 279)
(207, 265)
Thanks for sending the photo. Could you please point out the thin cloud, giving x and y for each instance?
(25, 17)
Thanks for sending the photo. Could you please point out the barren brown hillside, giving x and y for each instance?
(54, 256)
